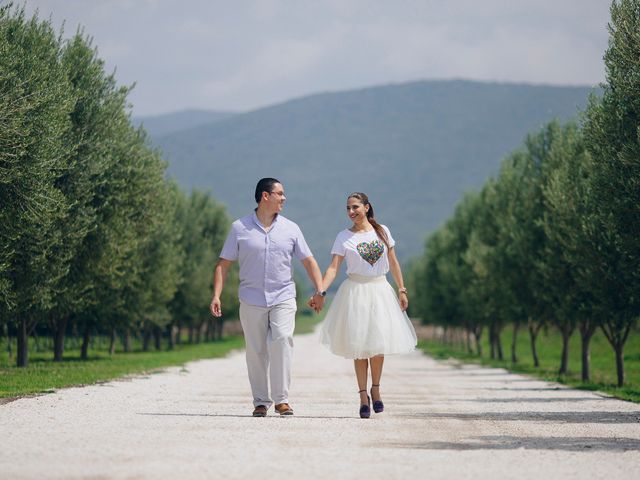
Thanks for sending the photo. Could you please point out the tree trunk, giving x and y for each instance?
(58, 345)
(492, 342)
(619, 348)
(199, 333)
(219, 327)
(533, 336)
(22, 357)
(171, 339)
(499, 345)
(112, 341)
(191, 334)
(564, 357)
(587, 330)
(208, 336)
(514, 339)
(146, 337)
(9, 342)
(157, 336)
(477, 333)
(126, 340)
(86, 338)
(179, 334)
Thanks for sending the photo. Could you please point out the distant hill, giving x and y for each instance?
(413, 148)
(157, 125)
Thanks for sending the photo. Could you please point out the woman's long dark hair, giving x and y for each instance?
(382, 235)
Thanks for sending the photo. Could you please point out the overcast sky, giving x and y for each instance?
(241, 54)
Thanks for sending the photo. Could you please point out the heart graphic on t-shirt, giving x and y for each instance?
(371, 251)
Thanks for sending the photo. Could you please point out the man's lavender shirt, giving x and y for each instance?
(266, 273)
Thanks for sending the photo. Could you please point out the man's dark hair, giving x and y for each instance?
(264, 185)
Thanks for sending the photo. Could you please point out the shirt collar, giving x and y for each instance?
(256, 220)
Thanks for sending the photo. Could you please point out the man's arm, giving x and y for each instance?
(219, 275)
(315, 275)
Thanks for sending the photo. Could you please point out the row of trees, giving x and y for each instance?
(555, 238)
(92, 234)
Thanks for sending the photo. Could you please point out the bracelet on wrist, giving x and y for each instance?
(402, 290)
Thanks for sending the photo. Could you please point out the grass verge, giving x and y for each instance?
(603, 369)
(42, 375)
(307, 320)
(45, 376)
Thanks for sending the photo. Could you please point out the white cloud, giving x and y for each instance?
(248, 53)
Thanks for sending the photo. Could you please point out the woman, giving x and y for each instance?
(366, 320)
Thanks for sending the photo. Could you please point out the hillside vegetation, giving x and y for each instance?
(413, 148)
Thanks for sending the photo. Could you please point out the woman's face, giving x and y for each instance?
(356, 211)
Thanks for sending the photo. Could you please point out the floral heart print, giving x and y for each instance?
(371, 251)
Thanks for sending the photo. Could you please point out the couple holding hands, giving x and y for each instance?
(365, 321)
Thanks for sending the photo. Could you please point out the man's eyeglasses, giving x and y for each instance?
(280, 194)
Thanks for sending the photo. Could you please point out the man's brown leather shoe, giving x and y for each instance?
(260, 411)
(284, 409)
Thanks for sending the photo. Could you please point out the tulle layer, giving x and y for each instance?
(365, 320)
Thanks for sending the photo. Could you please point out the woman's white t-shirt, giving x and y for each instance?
(364, 252)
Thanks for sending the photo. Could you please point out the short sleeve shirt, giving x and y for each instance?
(364, 252)
(266, 271)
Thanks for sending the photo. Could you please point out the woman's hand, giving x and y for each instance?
(404, 300)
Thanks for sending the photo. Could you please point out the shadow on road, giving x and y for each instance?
(562, 417)
(535, 399)
(241, 416)
(571, 444)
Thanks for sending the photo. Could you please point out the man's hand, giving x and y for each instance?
(316, 302)
(311, 303)
(216, 307)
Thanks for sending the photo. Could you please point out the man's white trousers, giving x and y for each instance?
(268, 335)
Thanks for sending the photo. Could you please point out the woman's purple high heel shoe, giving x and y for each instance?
(378, 406)
(365, 410)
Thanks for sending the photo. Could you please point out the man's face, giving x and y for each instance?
(276, 198)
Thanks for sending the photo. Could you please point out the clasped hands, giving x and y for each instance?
(316, 302)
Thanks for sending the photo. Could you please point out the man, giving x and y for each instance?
(264, 244)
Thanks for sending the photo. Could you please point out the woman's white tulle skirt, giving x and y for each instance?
(365, 319)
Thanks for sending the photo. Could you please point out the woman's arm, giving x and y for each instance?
(332, 271)
(396, 272)
(329, 277)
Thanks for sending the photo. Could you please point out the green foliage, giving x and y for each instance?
(93, 237)
(612, 131)
(35, 103)
(556, 237)
(204, 225)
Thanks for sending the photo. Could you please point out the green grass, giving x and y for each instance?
(306, 320)
(603, 369)
(42, 375)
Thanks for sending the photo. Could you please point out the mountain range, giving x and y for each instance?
(414, 148)
(157, 125)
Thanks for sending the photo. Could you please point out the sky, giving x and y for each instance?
(239, 55)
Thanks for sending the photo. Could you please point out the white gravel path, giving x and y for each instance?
(441, 421)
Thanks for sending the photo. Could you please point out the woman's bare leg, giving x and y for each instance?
(376, 373)
(362, 367)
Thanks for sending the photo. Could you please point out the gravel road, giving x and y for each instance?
(442, 420)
